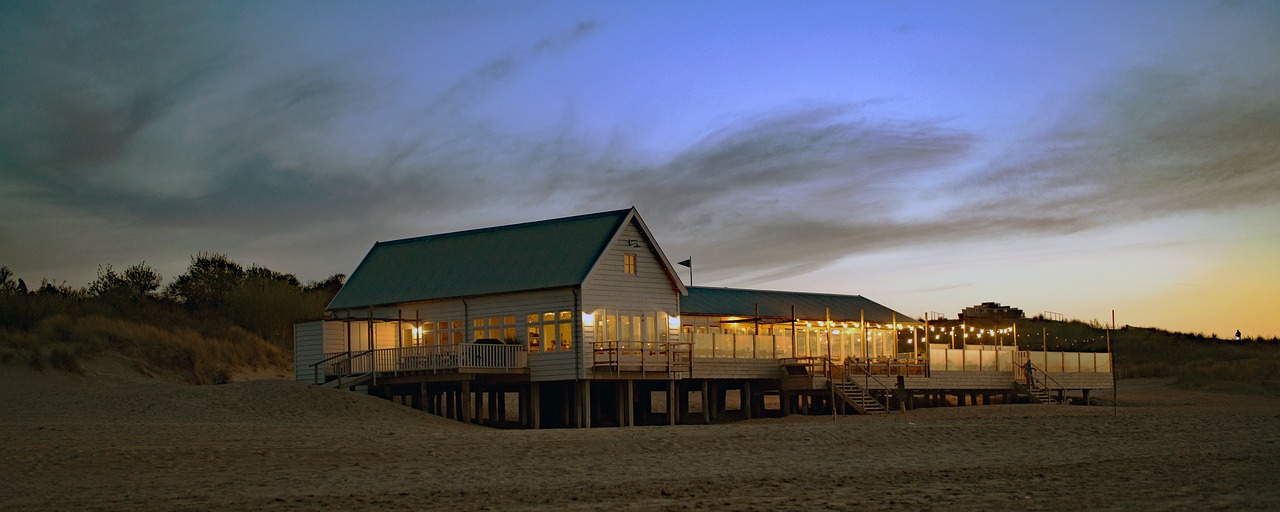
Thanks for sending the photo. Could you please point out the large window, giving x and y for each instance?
(495, 327)
(431, 332)
(549, 332)
(615, 325)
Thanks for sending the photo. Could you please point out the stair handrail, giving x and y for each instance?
(866, 371)
(315, 367)
(845, 377)
(1044, 379)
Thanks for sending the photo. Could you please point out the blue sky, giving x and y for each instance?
(1074, 157)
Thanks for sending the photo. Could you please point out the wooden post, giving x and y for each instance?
(586, 404)
(478, 415)
(522, 399)
(682, 401)
(631, 403)
(464, 400)
(535, 405)
(722, 396)
(706, 403)
(672, 402)
(745, 400)
(502, 405)
(572, 405)
(620, 395)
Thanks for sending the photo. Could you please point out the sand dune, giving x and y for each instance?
(112, 440)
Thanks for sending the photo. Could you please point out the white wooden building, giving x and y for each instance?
(579, 321)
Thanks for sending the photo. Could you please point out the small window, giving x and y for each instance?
(629, 263)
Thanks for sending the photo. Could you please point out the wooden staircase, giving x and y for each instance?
(349, 381)
(1038, 395)
(856, 397)
(1038, 388)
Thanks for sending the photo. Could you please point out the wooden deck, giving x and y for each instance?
(471, 382)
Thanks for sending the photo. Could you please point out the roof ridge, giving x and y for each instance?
(505, 227)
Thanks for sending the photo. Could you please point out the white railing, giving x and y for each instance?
(741, 346)
(647, 355)
(1071, 362)
(1003, 359)
(431, 358)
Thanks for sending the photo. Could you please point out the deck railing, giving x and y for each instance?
(889, 366)
(671, 356)
(432, 358)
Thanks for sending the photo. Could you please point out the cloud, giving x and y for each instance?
(140, 113)
(1156, 143)
(795, 191)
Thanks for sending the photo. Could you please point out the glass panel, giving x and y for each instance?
(702, 345)
(663, 325)
(535, 338)
(611, 326)
(457, 324)
(548, 317)
(1055, 362)
(764, 346)
(549, 337)
(566, 335)
(508, 334)
(741, 345)
(624, 328)
(650, 328)
(1102, 362)
(723, 344)
(937, 359)
(784, 345)
(988, 360)
(509, 320)
(442, 325)
(1071, 362)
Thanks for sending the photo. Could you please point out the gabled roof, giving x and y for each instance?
(776, 304)
(539, 255)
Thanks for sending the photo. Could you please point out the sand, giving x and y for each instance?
(113, 440)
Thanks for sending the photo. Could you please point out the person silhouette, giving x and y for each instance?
(1237, 334)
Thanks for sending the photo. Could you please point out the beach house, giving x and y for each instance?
(583, 321)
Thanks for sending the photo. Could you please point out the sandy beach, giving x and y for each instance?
(115, 440)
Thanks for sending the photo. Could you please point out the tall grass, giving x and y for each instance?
(205, 325)
(61, 342)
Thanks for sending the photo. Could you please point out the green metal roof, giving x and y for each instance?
(775, 304)
(520, 257)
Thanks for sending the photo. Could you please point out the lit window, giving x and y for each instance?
(629, 263)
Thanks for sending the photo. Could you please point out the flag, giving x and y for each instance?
(687, 263)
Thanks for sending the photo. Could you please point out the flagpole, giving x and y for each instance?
(1115, 400)
(688, 262)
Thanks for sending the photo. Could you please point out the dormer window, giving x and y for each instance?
(629, 264)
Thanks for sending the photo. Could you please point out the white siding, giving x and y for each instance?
(543, 366)
(649, 289)
(311, 342)
(308, 349)
(548, 366)
(610, 287)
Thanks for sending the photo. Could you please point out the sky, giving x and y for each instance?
(1073, 157)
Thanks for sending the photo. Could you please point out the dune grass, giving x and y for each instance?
(61, 342)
